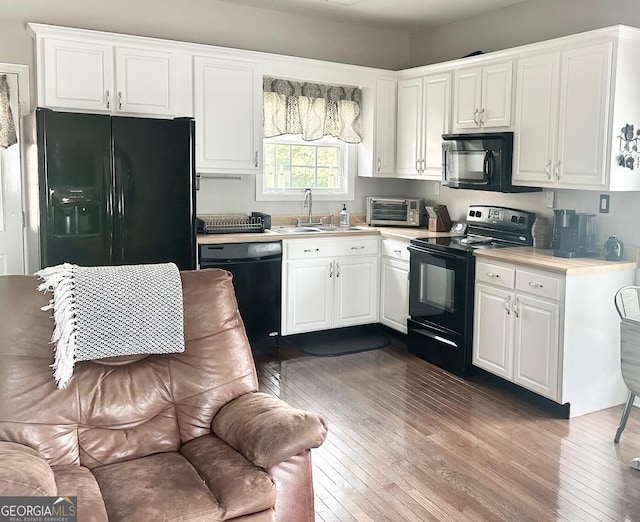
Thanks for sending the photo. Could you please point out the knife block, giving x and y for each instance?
(439, 220)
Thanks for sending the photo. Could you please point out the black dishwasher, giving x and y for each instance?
(257, 279)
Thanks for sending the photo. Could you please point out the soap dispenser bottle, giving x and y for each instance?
(344, 216)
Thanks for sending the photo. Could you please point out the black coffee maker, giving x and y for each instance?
(573, 234)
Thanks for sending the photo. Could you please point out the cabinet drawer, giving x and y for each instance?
(395, 249)
(310, 248)
(498, 275)
(539, 284)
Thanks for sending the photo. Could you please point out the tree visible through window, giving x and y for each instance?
(291, 166)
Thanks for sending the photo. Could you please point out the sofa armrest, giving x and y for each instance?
(266, 430)
(23, 472)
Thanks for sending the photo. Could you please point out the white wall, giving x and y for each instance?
(520, 24)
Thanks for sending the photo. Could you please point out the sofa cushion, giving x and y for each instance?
(239, 487)
(163, 487)
(77, 481)
(23, 472)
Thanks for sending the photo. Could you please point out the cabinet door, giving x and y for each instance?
(228, 120)
(76, 75)
(536, 344)
(467, 98)
(144, 81)
(356, 291)
(492, 344)
(385, 131)
(437, 115)
(409, 130)
(495, 106)
(394, 294)
(585, 84)
(536, 118)
(308, 295)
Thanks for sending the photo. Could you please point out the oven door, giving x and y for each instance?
(439, 288)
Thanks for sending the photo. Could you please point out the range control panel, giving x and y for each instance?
(501, 217)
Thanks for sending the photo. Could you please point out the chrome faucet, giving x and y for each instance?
(308, 200)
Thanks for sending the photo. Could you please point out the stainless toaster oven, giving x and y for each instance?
(407, 212)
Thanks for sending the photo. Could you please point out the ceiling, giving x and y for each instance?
(399, 15)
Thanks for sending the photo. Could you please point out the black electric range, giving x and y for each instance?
(441, 284)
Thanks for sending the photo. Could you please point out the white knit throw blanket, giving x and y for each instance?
(107, 311)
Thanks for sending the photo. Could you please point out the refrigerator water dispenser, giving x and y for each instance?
(75, 212)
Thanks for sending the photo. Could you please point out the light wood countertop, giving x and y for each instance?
(545, 260)
(398, 233)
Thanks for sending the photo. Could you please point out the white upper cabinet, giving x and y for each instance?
(94, 73)
(482, 96)
(385, 128)
(73, 76)
(228, 112)
(424, 113)
(377, 151)
(563, 133)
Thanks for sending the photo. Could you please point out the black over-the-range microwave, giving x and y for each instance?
(479, 161)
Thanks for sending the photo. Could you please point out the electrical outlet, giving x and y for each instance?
(437, 188)
(548, 198)
(604, 204)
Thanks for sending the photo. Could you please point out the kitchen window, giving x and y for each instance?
(291, 165)
(310, 132)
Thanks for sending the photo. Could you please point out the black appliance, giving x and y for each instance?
(441, 284)
(113, 190)
(480, 161)
(257, 280)
(573, 234)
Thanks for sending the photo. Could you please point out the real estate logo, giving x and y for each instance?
(38, 509)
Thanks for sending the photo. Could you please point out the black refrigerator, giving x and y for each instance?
(113, 190)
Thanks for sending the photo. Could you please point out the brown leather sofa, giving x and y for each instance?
(163, 437)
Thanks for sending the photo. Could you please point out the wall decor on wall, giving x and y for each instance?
(628, 156)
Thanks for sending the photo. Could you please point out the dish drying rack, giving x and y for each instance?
(233, 223)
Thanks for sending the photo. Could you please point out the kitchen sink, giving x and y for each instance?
(296, 230)
(293, 229)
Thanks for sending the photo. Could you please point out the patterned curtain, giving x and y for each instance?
(312, 110)
(7, 127)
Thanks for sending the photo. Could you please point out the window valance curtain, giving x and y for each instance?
(312, 110)
(7, 127)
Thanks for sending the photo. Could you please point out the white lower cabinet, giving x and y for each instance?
(329, 283)
(394, 285)
(555, 334)
(516, 325)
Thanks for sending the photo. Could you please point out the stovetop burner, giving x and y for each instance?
(487, 227)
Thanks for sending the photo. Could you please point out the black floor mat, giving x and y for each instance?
(341, 340)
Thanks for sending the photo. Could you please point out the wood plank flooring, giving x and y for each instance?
(409, 441)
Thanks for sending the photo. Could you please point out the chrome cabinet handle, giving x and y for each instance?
(491, 274)
(331, 269)
(515, 307)
(255, 162)
(424, 165)
(507, 305)
(536, 285)
(107, 96)
(547, 169)
(558, 170)
(379, 164)
(311, 250)
(119, 100)
(359, 247)
(475, 117)
(397, 252)
(337, 269)
(418, 165)
(482, 120)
